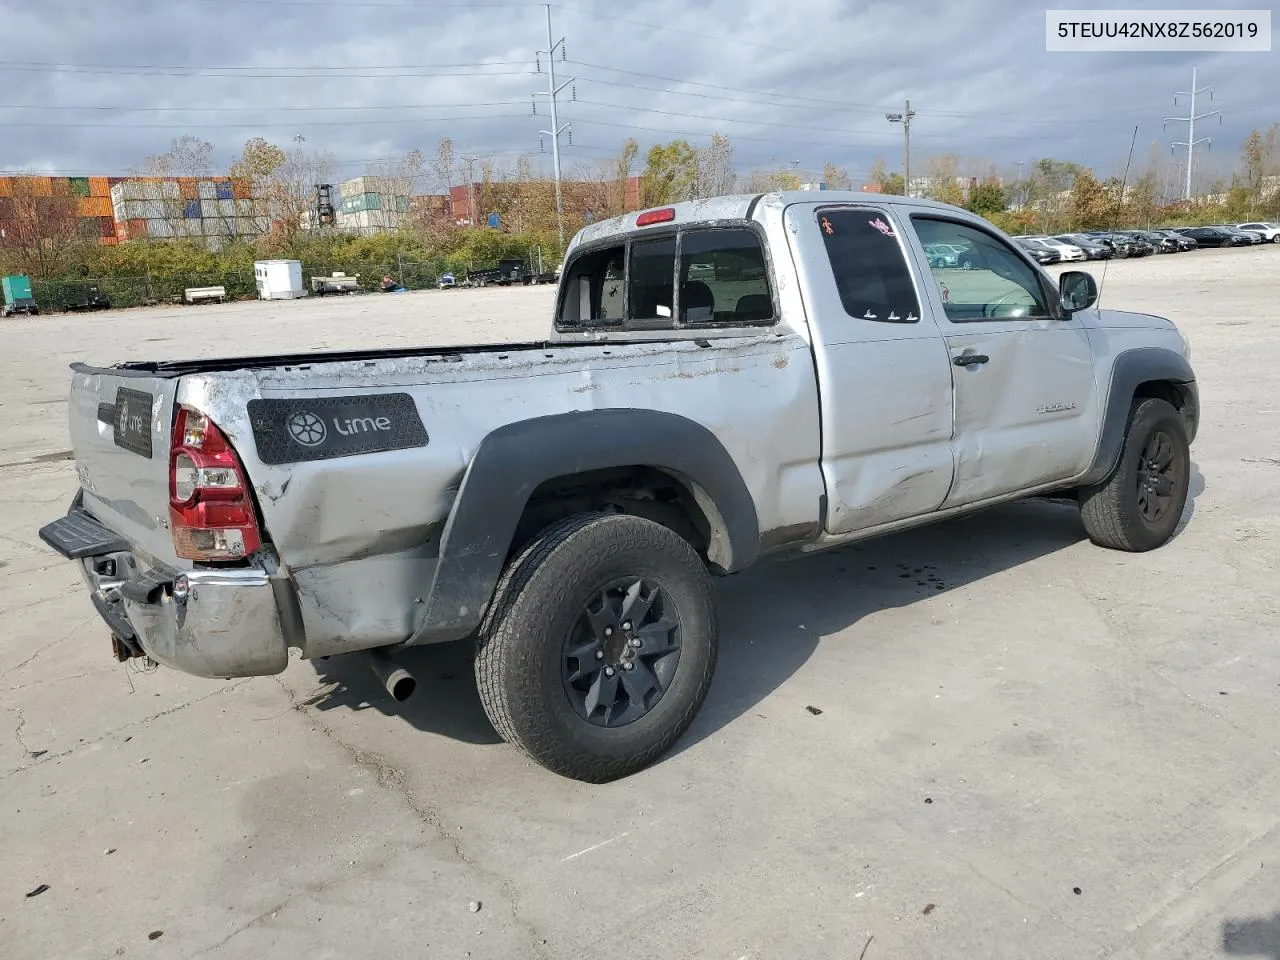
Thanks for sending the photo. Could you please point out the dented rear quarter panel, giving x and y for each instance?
(359, 535)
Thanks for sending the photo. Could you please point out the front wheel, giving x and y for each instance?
(599, 646)
(1138, 507)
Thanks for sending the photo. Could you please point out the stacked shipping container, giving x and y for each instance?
(162, 208)
(111, 209)
(88, 200)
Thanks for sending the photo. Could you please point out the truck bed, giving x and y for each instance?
(166, 369)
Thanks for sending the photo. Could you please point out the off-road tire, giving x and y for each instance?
(1110, 509)
(520, 661)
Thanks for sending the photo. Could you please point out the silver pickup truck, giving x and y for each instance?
(725, 380)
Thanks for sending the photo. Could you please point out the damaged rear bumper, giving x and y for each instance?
(207, 622)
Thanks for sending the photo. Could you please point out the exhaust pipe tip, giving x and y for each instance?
(399, 683)
(401, 686)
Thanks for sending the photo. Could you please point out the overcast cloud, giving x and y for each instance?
(93, 88)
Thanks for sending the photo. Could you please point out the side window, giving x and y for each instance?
(870, 270)
(987, 280)
(653, 269)
(593, 290)
(723, 278)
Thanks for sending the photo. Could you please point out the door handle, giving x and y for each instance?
(970, 359)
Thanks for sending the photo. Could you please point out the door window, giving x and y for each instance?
(988, 280)
(869, 267)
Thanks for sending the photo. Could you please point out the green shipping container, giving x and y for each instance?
(16, 288)
(79, 186)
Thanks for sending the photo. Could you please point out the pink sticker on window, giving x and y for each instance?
(882, 226)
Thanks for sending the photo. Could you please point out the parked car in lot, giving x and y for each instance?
(1069, 252)
(1093, 249)
(1184, 242)
(1250, 235)
(1133, 246)
(1041, 252)
(1215, 237)
(817, 392)
(943, 255)
(1159, 242)
(1270, 231)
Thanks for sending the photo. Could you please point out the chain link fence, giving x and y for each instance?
(53, 296)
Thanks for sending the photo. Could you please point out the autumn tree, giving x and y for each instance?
(1258, 160)
(39, 229)
(283, 183)
(670, 173)
(1092, 205)
(768, 181)
(623, 165)
(444, 166)
(256, 166)
(835, 178)
(714, 175)
(891, 183)
(986, 198)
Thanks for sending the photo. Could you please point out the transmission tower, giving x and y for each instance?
(1190, 120)
(557, 128)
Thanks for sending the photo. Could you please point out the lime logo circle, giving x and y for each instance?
(307, 429)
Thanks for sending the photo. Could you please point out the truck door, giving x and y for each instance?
(1026, 406)
(884, 377)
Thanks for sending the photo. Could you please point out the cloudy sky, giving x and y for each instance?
(93, 87)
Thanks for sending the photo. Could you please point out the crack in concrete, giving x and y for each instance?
(53, 643)
(17, 731)
(390, 778)
(128, 726)
(47, 680)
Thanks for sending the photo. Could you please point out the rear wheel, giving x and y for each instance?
(599, 646)
(1138, 507)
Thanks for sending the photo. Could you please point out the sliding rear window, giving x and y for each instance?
(700, 277)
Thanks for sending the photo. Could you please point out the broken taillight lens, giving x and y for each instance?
(211, 512)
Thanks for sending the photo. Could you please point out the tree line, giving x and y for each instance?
(44, 238)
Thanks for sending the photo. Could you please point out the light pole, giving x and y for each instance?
(904, 118)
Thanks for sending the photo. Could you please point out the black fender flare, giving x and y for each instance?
(512, 461)
(1131, 369)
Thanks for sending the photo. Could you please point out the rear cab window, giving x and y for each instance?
(694, 277)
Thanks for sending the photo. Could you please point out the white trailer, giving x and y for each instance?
(279, 279)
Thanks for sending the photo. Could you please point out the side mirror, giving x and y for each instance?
(1078, 290)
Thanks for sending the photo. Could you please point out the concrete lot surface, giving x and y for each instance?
(988, 739)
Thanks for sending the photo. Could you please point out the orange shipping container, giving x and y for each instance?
(99, 187)
(109, 241)
(6, 186)
(187, 187)
(134, 229)
(240, 189)
(32, 186)
(93, 206)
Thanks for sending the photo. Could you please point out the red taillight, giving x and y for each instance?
(210, 510)
(665, 215)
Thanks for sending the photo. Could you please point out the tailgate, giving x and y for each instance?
(120, 432)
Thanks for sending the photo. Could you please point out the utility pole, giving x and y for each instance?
(471, 189)
(557, 128)
(1190, 120)
(904, 118)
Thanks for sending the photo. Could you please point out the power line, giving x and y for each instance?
(253, 124)
(260, 108)
(59, 65)
(283, 76)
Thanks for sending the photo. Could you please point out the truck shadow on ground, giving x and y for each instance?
(1255, 937)
(772, 616)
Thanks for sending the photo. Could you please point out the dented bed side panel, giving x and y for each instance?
(359, 534)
